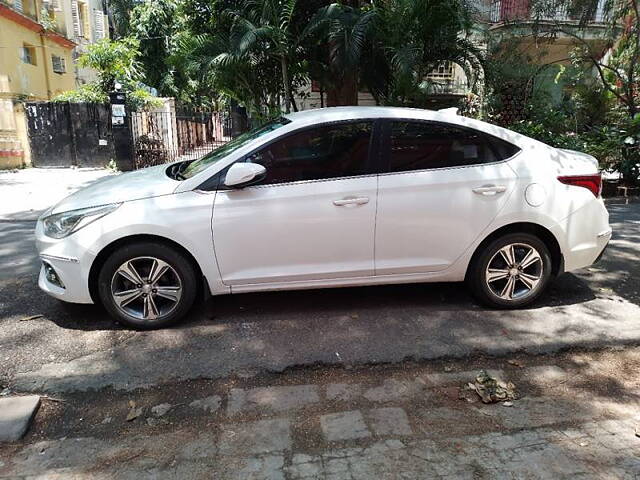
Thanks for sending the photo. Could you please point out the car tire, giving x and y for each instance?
(512, 271)
(147, 285)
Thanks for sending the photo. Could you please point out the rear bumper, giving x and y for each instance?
(599, 257)
(587, 234)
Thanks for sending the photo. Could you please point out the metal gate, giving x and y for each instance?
(69, 134)
(182, 134)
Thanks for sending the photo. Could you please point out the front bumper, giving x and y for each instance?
(71, 261)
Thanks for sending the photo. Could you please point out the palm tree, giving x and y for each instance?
(345, 30)
(411, 38)
(390, 46)
(268, 25)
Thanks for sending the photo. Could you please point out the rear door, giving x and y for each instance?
(443, 186)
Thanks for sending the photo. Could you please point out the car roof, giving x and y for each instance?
(329, 114)
(336, 114)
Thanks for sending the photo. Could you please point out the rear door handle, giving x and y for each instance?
(490, 189)
(344, 202)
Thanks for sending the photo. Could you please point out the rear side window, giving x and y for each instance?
(331, 151)
(424, 145)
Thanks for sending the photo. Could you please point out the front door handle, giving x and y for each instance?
(344, 202)
(490, 189)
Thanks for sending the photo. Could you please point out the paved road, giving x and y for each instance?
(78, 348)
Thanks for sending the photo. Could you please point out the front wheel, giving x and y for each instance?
(147, 285)
(511, 272)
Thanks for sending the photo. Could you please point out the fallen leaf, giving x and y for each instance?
(355, 316)
(491, 390)
(134, 413)
(515, 363)
(507, 404)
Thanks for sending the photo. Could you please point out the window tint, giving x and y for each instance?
(423, 145)
(503, 149)
(324, 152)
(228, 148)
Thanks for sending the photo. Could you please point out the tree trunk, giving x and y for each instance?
(346, 94)
(285, 84)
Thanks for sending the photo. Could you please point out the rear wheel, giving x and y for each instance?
(511, 272)
(147, 285)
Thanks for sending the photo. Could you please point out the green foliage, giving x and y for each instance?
(412, 37)
(261, 52)
(614, 140)
(90, 93)
(599, 108)
(115, 62)
(155, 26)
(120, 11)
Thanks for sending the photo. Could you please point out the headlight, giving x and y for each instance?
(64, 224)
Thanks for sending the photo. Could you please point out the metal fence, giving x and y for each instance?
(182, 134)
(551, 10)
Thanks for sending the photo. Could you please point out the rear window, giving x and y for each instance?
(429, 145)
(503, 149)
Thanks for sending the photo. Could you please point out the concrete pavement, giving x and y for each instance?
(28, 192)
(575, 417)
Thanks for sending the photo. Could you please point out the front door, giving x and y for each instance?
(444, 185)
(311, 218)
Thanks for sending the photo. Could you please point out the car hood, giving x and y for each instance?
(145, 183)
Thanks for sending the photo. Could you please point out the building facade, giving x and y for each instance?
(40, 41)
(85, 22)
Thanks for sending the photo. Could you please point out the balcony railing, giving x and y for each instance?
(552, 10)
(447, 87)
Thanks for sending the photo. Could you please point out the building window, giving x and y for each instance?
(100, 25)
(28, 54)
(59, 64)
(444, 71)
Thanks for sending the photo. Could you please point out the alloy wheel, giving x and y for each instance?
(146, 288)
(514, 272)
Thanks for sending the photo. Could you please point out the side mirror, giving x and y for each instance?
(243, 174)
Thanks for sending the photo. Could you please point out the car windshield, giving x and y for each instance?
(219, 153)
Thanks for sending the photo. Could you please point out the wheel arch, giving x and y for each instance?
(101, 258)
(544, 234)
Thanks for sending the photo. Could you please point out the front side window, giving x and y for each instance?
(228, 148)
(424, 145)
(331, 151)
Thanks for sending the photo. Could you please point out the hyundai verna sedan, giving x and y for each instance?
(333, 197)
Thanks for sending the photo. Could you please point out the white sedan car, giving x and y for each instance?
(333, 197)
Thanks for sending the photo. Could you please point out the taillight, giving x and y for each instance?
(591, 182)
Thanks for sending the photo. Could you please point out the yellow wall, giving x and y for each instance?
(19, 78)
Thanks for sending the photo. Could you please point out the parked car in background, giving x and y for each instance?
(333, 197)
